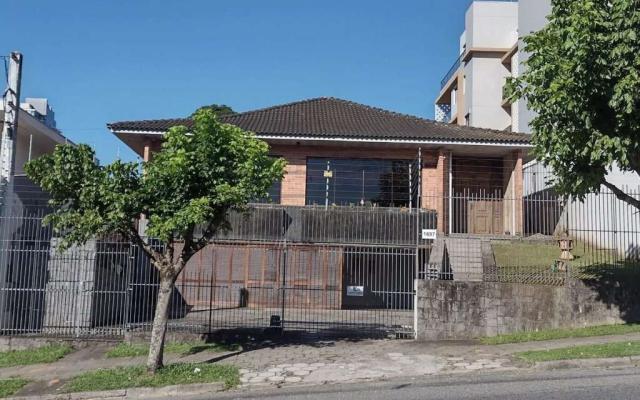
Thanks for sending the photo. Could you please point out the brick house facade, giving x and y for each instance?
(471, 177)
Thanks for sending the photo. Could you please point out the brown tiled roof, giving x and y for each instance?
(335, 118)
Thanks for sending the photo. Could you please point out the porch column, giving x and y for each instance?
(435, 175)
(294, 183)
(513, 192)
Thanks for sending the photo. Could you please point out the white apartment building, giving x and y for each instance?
(490, 50)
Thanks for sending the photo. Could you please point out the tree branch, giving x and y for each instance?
(620, 194)
(151, 252)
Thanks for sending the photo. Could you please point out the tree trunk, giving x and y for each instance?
(156, 345)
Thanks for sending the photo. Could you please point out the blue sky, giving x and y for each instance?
(105, 61)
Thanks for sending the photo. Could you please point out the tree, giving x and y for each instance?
(218, 109)
(186, 190)
(582, 80)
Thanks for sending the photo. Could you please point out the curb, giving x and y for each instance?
(135, 393)
(589, 363)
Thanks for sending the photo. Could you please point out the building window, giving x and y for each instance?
(273, 194)
(467, 119)
(357, 182)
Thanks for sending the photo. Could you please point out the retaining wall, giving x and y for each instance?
(466, 310)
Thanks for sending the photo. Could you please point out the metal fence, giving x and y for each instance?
(336, 270)
(317, 269)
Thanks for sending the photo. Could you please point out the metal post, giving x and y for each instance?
(450, 213)
(284, 270)
(417, 254)
(326, 190)
(410, 189)
(30, 146)
(11, 110)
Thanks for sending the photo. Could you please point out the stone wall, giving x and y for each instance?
(466, 310)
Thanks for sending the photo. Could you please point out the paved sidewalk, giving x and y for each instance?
(279, 364)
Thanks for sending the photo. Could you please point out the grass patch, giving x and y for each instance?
(531, 254)
(184, 348)
(620, 349)
(137, 376)
(551, 334)
(39, 355)
(9, 387)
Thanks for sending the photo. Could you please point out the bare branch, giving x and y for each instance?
(620, 194)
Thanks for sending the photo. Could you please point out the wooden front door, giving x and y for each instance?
(484, 217)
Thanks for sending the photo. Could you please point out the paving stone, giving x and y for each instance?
(301, 372)
(257, 379)
(276, 379)
(292, 379)
(461, 364)
(473, 367)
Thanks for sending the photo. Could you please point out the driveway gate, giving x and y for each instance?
(357, 280)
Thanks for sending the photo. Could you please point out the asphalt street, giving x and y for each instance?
(590, 384)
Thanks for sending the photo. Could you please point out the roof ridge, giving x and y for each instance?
(148, 120)
(292, 103)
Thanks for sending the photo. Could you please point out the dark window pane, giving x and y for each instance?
(367, 182)
(273, 192)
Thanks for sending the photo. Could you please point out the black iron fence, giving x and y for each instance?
(326, 270)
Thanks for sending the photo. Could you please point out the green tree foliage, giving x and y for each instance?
(583, 81)
(218, 109)
(186, 190)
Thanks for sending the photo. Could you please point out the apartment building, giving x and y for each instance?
(490, 50)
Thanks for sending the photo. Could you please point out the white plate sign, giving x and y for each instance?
(429, 234)
(357, 291)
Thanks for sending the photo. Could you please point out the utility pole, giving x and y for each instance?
(10, 126)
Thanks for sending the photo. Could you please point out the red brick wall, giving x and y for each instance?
(435, 175)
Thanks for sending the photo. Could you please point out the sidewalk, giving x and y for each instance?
(317, 362)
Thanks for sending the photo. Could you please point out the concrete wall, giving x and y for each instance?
(532, 17)
(491, 24)
(466, 310)
(486, 76)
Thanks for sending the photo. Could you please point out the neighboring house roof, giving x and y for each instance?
(331, 118)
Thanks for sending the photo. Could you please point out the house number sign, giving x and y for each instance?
(429, 234)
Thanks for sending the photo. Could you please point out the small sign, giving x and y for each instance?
(429, 234)
(355, 291)
(328, 174)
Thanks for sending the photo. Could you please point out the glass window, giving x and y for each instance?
(273, 192)
(357, 182)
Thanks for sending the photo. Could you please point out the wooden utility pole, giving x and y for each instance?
(10, 126)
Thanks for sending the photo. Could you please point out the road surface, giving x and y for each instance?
(590, 384)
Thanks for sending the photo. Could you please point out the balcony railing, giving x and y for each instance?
(451, 71)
